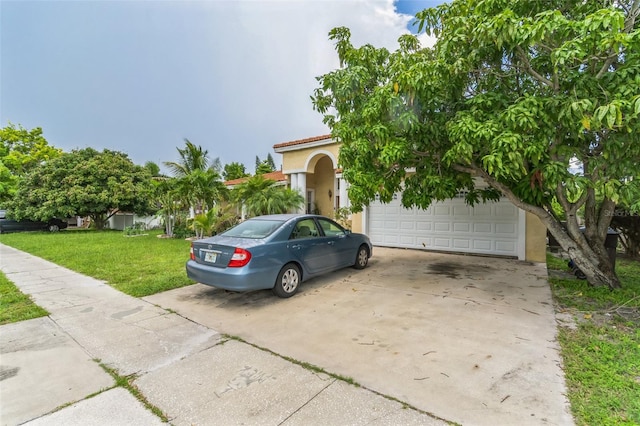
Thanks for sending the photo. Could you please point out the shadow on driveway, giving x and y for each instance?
(468, 339)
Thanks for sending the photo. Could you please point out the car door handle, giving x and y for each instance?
(296, 246)
(331, 243)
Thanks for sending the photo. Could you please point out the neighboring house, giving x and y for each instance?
(495, 228)
(122, 220)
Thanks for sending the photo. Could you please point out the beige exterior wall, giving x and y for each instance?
(356, 222)
(535, 239)
(296, 160)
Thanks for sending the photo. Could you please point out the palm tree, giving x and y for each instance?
(199, 179)
(169, 202)
(262, 196)
(192, 158)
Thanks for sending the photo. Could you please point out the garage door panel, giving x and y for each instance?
(461, 227)
(482, 245)
(463, 210)
(407, 225)
(482, 227)
(442, 227)
(506, 228)
(505, 246)
(490, 228)
(441, 210)
(461, 243)
(483, 210)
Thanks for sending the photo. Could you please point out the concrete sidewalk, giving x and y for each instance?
(51, 369)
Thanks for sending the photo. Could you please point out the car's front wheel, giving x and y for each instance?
(288, 281)
(54, 228)
(362, 257)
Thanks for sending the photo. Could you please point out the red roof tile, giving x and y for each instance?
(278, 176)
(301, 141)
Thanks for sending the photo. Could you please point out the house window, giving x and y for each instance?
(311, 198)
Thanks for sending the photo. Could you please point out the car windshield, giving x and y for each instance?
(254, 228)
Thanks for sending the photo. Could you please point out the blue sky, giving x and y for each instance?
(140, 76)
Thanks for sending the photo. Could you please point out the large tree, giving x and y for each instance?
(20, 151)
(234, 170)
(84, 182)
(537, 100)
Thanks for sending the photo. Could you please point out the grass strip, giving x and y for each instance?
(126, 382)
(602, 352)
(16, 306)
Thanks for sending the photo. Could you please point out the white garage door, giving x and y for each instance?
(490, 228)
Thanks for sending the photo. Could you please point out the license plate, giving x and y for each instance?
(210, 256)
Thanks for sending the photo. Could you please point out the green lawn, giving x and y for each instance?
(602, 354)
(16, 306)
(138, 266)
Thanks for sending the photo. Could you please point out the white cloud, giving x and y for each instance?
(233, 76)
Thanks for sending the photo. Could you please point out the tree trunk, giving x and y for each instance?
(99, 222)
(596, 267)
(594, 264)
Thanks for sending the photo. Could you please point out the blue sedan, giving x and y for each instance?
(277, 252)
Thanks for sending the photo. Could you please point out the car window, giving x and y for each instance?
(254, 228)
(330, 228)
(306, 228)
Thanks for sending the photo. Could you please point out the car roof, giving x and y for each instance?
(284, 217)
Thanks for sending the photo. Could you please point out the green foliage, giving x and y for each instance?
(192, 158)
(198, 179)
(263, 196)
(138, 228)
(601, 354)
(167, 197)
(21, 150)
(182, 228)
(213, 222)
(514, 94)
(234, 171)
(136, 266)
(265, 166)
(342, 217)
(152, 168)
(14, 305)
(84, 183)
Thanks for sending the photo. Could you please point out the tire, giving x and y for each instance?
(288, 281)
(362, 257)
(54, 228)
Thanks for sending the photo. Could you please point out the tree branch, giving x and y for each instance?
(629, 23)
(527, 66)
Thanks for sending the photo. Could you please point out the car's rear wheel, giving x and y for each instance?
(288, 281)
(54, 228)
(362, 257)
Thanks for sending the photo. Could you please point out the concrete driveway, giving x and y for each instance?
(467, 339)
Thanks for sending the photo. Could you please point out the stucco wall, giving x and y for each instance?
(536, 239)
(296, 160)
(356, 222)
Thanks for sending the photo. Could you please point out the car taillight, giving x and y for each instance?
(192, 256)
(240, 258)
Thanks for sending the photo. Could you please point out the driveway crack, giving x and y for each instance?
(307, 403)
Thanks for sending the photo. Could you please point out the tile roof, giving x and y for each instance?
(301, 141)
(278, 176)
